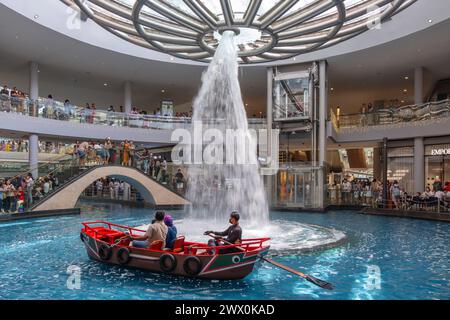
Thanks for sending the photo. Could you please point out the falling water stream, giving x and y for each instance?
(217, 189)
(233, 182)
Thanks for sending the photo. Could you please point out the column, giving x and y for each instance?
(377, 170)
(269, 152)
(128, 100)
(418, 85)
(385, 172)
(419, 165)
(33, 152)
(323, 104)
(34, 86)
(322, 140)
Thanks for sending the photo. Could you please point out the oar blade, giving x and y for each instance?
(317, 282)
(320, 283)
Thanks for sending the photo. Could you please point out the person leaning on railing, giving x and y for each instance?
(5, 100)
(179, 180)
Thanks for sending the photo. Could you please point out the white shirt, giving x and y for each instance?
(439, 195)
(46, 187)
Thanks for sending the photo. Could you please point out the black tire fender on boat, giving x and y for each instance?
(82, 236)
(123, 256)
(104, 252)
(192, 271)
(167, 262)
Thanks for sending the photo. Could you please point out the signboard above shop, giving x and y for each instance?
(437, 150)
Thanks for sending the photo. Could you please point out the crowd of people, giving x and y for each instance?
(112, 188)
(20, 192)
(14, 100)
(13, 145)
(106, 152)
(126, 154)
(20, 145)
(365, 192)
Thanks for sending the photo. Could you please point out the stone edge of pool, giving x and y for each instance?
(422, 215)
(38, 214)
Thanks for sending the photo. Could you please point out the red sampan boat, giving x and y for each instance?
(107, 242)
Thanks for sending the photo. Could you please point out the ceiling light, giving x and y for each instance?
(332, 89)
(36, 16)
(163, 90)
(430, 20)
(405, 90)
(406, 78)
(105, 84)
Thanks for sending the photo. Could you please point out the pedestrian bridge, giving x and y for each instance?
(151, 191)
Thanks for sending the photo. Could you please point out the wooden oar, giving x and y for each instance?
(314, 280)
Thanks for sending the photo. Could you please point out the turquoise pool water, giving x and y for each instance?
(384, 258)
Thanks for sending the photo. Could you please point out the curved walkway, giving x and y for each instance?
(67, 196)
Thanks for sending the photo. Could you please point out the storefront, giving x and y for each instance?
(401, 167)
(437, 164)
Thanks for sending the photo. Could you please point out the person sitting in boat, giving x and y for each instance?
(233, 234)
(156, 231)
(171, 231)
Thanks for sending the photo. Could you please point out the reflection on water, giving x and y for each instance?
(36, 255)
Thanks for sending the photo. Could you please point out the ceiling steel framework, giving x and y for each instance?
(269, 29)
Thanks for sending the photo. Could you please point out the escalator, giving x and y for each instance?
(441, 91)
(291, 96)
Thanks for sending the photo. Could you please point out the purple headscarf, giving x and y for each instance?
(168, 220)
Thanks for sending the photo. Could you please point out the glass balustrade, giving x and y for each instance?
(56, 110)
(55, 174)
(426, 111)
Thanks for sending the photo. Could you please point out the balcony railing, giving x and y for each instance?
(56, 110)
(412, 113)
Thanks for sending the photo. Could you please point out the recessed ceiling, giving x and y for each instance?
(265, 30)
(64, 59)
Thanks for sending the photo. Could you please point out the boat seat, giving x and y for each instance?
(178, 245)
(156, 245)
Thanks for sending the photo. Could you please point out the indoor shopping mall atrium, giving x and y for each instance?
(313, 136)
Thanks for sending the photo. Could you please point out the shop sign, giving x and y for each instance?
(440, 152)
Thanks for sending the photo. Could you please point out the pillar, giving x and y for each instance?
(419, 165)
(322, 142)
(33, 87)
(377, 170)
(269, 119)
(34, 80)
(128, 99)
(33, 152)
(385, 172)
(323, 104)
(418, 85)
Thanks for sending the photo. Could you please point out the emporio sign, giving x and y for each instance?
(440, 152)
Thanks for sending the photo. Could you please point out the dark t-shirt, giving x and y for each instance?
(437, 186)
(179, 176)
(233, 233)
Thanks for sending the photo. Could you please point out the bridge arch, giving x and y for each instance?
(152, 192)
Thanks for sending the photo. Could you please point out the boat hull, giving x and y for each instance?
(228, 266)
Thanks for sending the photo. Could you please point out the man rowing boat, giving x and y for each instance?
(233, 234)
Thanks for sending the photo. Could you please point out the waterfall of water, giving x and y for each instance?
(216, 189)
